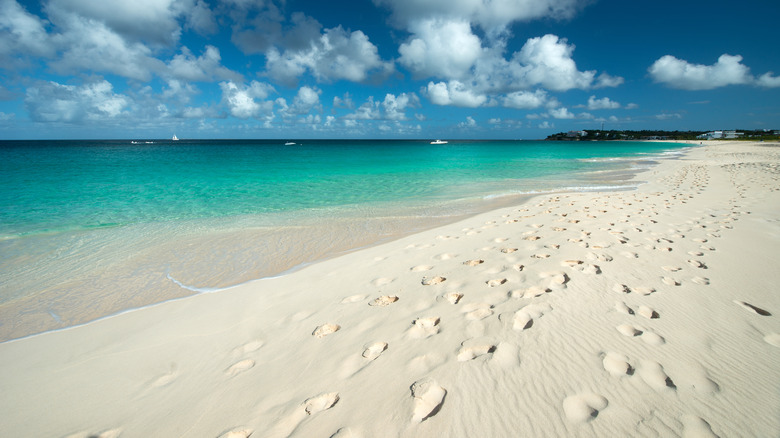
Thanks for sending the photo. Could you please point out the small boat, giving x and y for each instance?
(439, 142)
(289, 143)
(175, 138)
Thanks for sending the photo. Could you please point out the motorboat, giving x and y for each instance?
(439, 142)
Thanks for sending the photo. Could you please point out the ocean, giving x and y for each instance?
(93, 228)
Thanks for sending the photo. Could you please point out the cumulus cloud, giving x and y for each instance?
(454, 93)
(728, 70)
(206, 67)
(446, 49)
(394, 107)
(54, 102)
(491, 15)
(527, 99)
(469, 123)
(544, 62)
(547, 61)
(603, 103)
(306, 100)
(21, 32)
(391, 108)
(153, 21)
(240, 99)
(335, 55)
(562, 113)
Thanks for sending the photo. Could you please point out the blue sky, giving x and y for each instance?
(383, 68)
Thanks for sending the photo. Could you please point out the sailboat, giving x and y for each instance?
(175, 138)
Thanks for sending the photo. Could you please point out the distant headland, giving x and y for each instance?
(596, 134)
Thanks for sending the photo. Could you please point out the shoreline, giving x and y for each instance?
(234, 252)
(646, 312)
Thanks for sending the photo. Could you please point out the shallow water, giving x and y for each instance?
(88, 229)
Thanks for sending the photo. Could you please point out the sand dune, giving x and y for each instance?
(645, 313)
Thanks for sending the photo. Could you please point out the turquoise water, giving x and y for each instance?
(88, 228)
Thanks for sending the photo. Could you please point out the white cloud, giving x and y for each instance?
(546, 125)
(454, 93)
(603, 103)
(768, 80)
(491, 15)
(668, 116)
(469, 123)
(446, 49)
(678, 73)
(91, 45)
(525, 99)
(153, 21)
(336, 55)
(369, 110)
(394, 106)
(240, 99)
(547, 61)
(343, 102)
(632, 106)
(562, 113)
(306, 100)
(54, 102)
(21, 33)
(206, 67)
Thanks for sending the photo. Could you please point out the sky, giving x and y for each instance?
(453, 69)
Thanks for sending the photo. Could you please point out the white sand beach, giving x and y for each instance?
(653, 312)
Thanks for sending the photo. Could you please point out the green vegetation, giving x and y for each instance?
(597, 134)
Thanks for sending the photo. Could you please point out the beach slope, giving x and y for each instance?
(637, 313)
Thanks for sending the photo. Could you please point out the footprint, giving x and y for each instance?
(669, 281)
(531, 292)
(641, 290)
(445, 256)
(320, 403)
(424, 327)
(647, 312)
(325, 329)
(621, 288)
(696, 427)
(354, 298)
(239, 367)
(583, 407)
(428, 399)
(653, 374)
(374, 350)
(541, 256)
(166, 379)
(249, 347)
(623, 308)
(697, 264)
(524, 318)
(652, 338)
(752, 308)
(772, 339)
(701, 280)
(472, 349)
(420, 268)
(474, 262)
(477, 311)
(617, 364)
(382, 281)
(384, 300)
(237, 433)
(628, 330)
(496, 282)
(508, 250)
(431, 281)
(452, 297)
